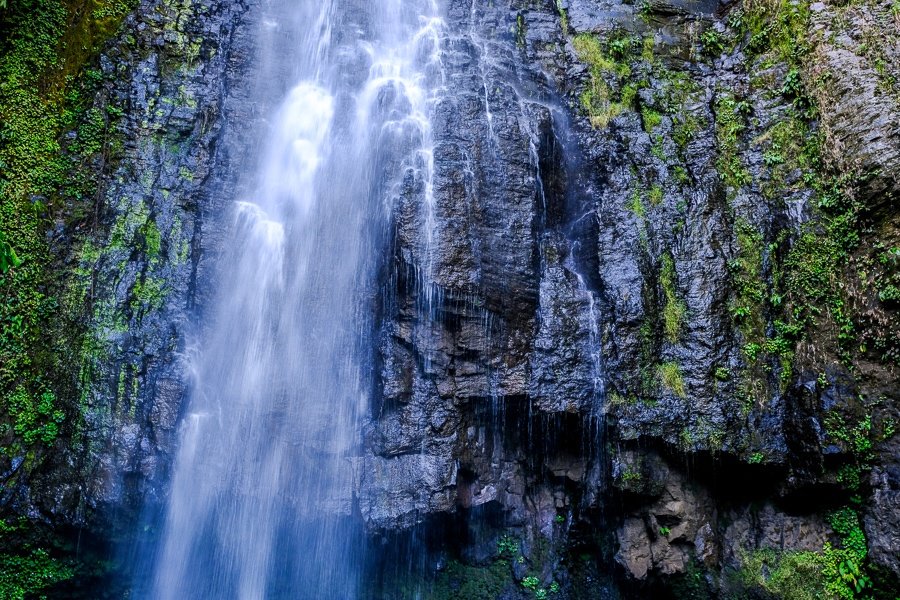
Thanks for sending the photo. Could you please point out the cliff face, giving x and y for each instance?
(689, 244)
(648, 332)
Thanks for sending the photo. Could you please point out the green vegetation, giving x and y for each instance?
(28, 569)
(651, 118)
(631, 476)
(636, 205)
(748, 283)
(466, 581)
(8, 256)
(507, 547)
(490, 581)
(833, 573)
(531, 583)
(712, 42)
(680, 90)
(521, 30)
(730, 114)
(655, 196)
(607, 95)
(34, 418)
(787, 575)
(674, 309)
(23, 576)
(44, 92)
(671, 378)
(563, 17)
(774, 27)
(56, 145)
(648, 375)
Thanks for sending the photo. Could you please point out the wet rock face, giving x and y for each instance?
(858, 55)
(626, 288)
(485, 305)
(676, 524)
(881, 521)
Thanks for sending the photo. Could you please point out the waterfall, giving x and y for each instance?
(262, 487)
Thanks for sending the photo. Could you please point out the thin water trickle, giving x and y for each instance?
(262, 485)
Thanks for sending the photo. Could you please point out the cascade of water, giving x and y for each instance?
(263, 480)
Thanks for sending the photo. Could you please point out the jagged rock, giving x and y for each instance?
(856, 58)
(882, 519)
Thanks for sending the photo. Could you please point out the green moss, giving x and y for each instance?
(186, 174)
(630, 476)
(655, 196)
(749, 284)
(152, 238)
(658, 149)
(648, 46)
(563, 17)
(679, 90)
(833, 574)
(521, 30)
(729, 128)
(787, 575)
(636, 205)
(148, 294)
(671, 379)
(674, 309)
(459, 580)
(651, 119)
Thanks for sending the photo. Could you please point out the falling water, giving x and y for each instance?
(263, 480)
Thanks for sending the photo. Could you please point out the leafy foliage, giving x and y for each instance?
(45, 176)
(24, 575)
(607, 95)
(730, 125)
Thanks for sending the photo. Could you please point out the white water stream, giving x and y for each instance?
(263, 480)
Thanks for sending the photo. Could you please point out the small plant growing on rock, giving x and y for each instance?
(507, 546)
(8, 258)
(630, 476)
(752, 350)
(664, 531)
(531, 583)
(712, 42)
